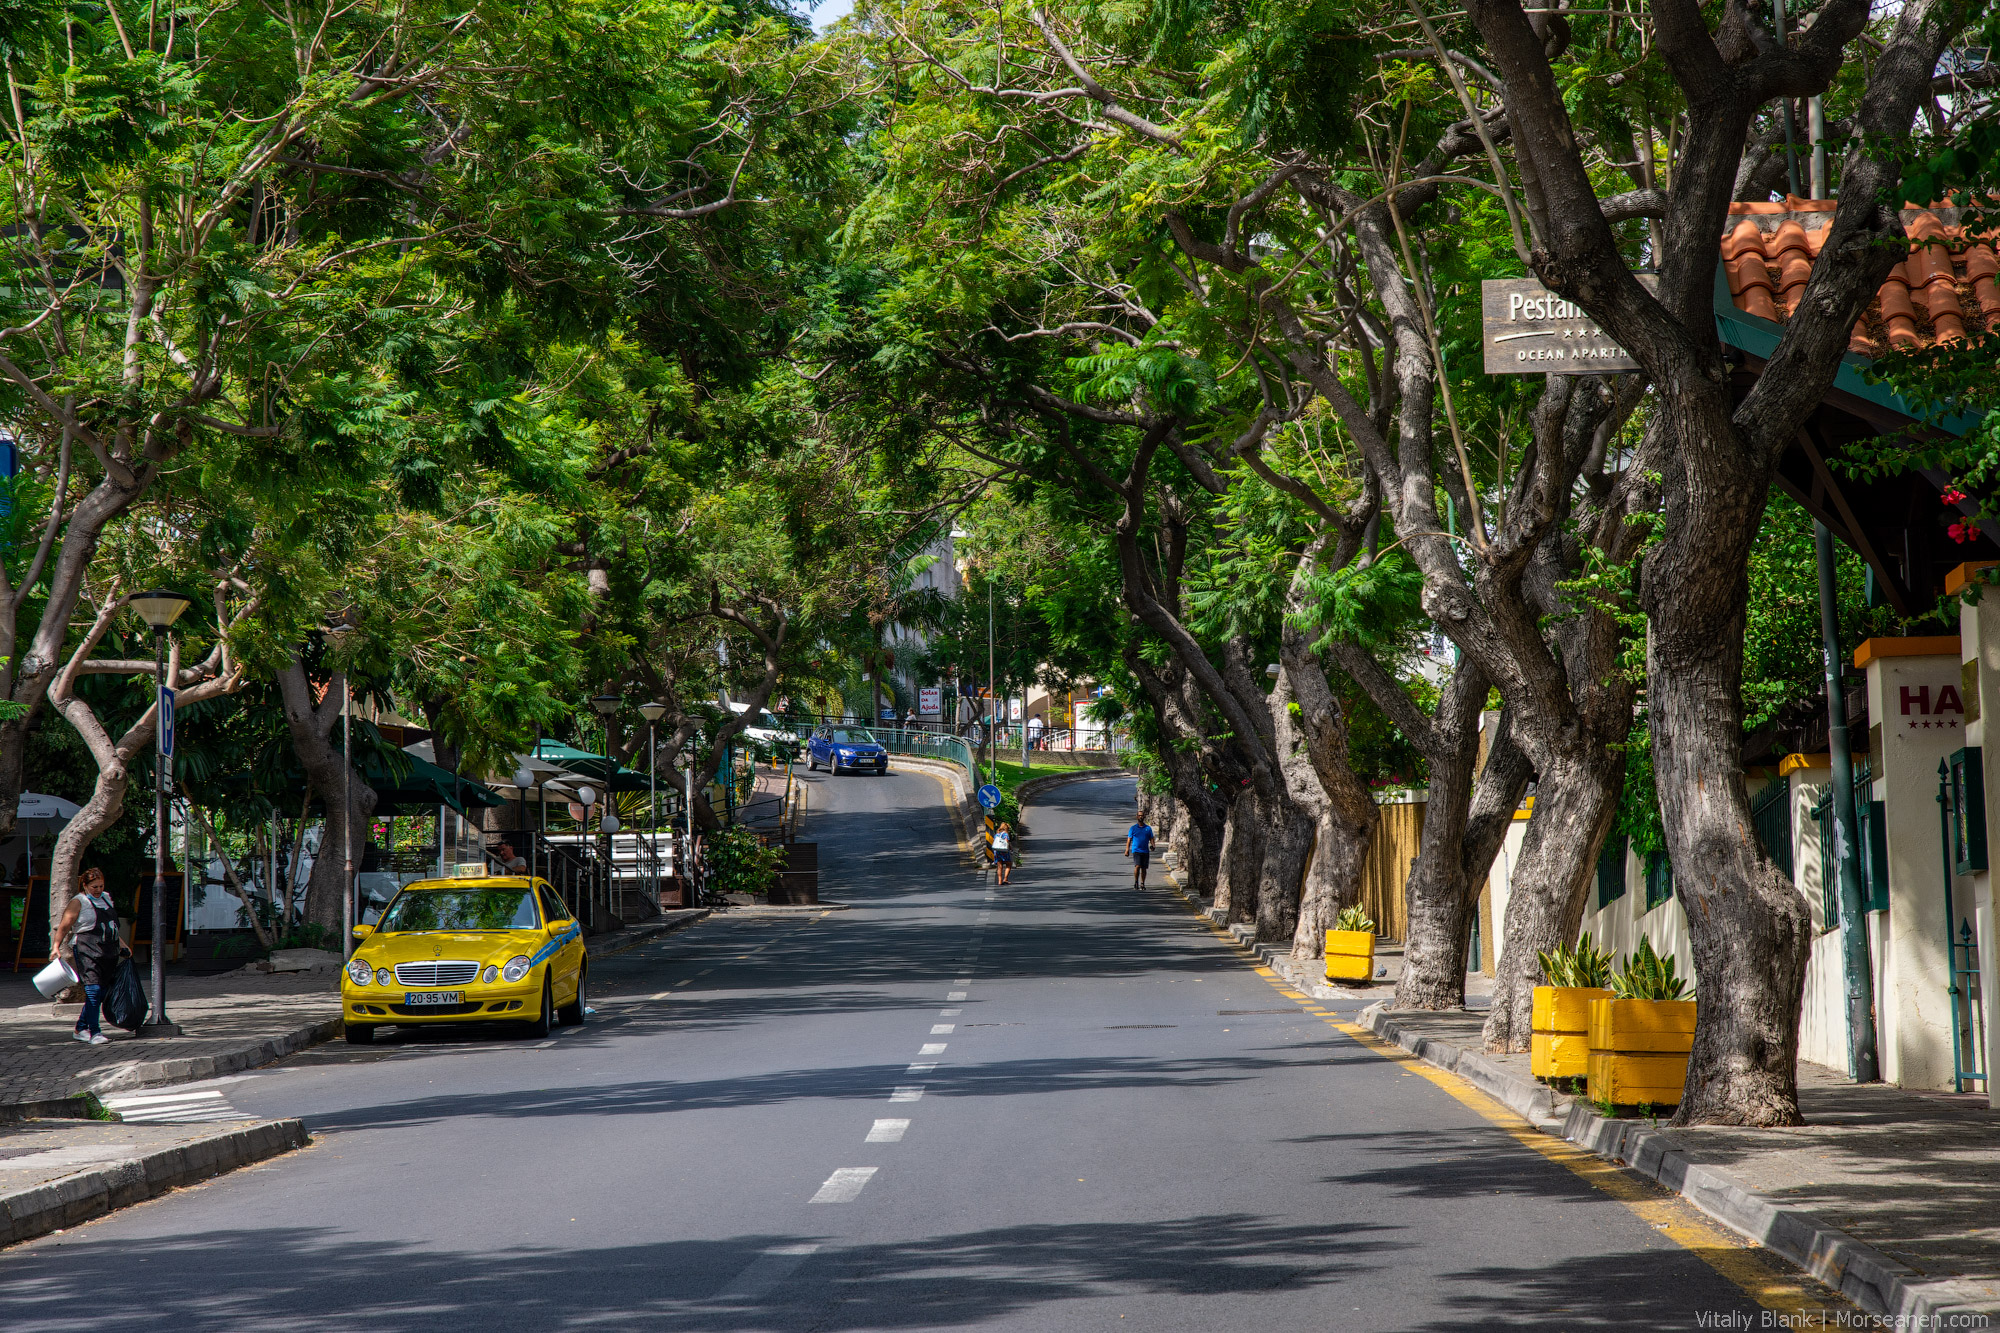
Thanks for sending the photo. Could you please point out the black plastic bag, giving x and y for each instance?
(125, 1001)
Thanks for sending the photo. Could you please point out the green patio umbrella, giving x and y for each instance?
(592, 766)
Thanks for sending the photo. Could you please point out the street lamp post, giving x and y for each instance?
(653, 712)
(606, 705)
(524, 777)
(587, 796)
(159, 608)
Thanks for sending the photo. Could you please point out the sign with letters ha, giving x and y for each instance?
(1526, 329)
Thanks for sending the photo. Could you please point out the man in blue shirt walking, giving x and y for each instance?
(1139, 846)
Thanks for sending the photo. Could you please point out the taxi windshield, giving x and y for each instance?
(853, 736)
(461, 909)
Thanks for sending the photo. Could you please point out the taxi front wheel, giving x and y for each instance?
(571, 1014)
(545, 1017)
(359, 1034)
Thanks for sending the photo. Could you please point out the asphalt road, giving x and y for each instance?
(1060, 1106)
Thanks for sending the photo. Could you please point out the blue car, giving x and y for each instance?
(846, 750)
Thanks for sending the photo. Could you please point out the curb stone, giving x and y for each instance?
(1872, 1280)
(43, 1208)
(156, 1073)
(51, 1108)
(1276, 958)
(641, 934)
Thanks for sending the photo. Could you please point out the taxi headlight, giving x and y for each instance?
(489, 974)
(358, 971)
(383, 976)
(517, 967)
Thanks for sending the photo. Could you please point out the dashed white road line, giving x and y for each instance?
(908, 1093)
(931, 1048)
(960, 981)
(924, 1068)
(950, 1013)
(764, 1272)
(887, 1131)
(954, 995)
(844, 1185)
(943, 1029)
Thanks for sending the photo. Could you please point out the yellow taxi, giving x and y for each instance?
(467, 951)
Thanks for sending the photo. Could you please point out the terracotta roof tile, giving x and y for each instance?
(1946, 290)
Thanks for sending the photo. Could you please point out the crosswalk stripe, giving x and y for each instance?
(143, 1098)
(162, 1108)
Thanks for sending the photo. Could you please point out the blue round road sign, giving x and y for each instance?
(989, 796)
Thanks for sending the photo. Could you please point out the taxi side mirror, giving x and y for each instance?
(556, 927)
(363, 932)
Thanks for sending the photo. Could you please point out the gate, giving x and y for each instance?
(1962, 850)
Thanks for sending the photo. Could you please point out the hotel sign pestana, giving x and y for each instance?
(1526, 329)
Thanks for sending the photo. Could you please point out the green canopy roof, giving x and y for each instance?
(594, 766)
(423, 787)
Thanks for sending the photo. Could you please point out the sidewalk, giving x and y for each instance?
(233, 1021)
(56, 1173)
(1891, 1196)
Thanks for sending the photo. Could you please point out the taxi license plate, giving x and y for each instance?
(421, 997)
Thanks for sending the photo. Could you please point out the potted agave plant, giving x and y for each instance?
(1350, 946)
(1559, 1046)
(1641, 1035)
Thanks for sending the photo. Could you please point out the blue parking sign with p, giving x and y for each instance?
(166, 722)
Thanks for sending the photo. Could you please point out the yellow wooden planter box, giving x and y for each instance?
(1560, 1044)
(1639, 1050)
(1350, 955)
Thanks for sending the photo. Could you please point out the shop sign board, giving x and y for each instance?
(1526, 329)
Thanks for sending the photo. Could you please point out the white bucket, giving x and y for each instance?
(56, 978)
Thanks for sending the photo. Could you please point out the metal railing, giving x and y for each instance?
(915, 742)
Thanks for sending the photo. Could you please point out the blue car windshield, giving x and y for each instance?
(853, 736)
(461, 909)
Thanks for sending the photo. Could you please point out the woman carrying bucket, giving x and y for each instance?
(90, 923)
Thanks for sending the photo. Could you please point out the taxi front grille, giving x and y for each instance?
(444, 972)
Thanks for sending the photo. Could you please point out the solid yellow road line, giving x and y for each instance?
(1800, 1301)
(950, 804)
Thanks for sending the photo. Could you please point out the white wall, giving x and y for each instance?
(1914, 702)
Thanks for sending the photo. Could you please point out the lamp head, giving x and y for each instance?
(609, 824)
(587, 795)
(653, 712)
(523, 778)
(159, 607)
(605, 704)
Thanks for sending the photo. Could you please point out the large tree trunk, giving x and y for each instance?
(1575, 803)
(1290, 823)
(1348, 814)
(1436, 900)
(1200, 811)
(1242, 857)
(328, 773)
(1748, 927)
(100, 812)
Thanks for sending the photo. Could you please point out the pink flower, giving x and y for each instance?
(1952, 495)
